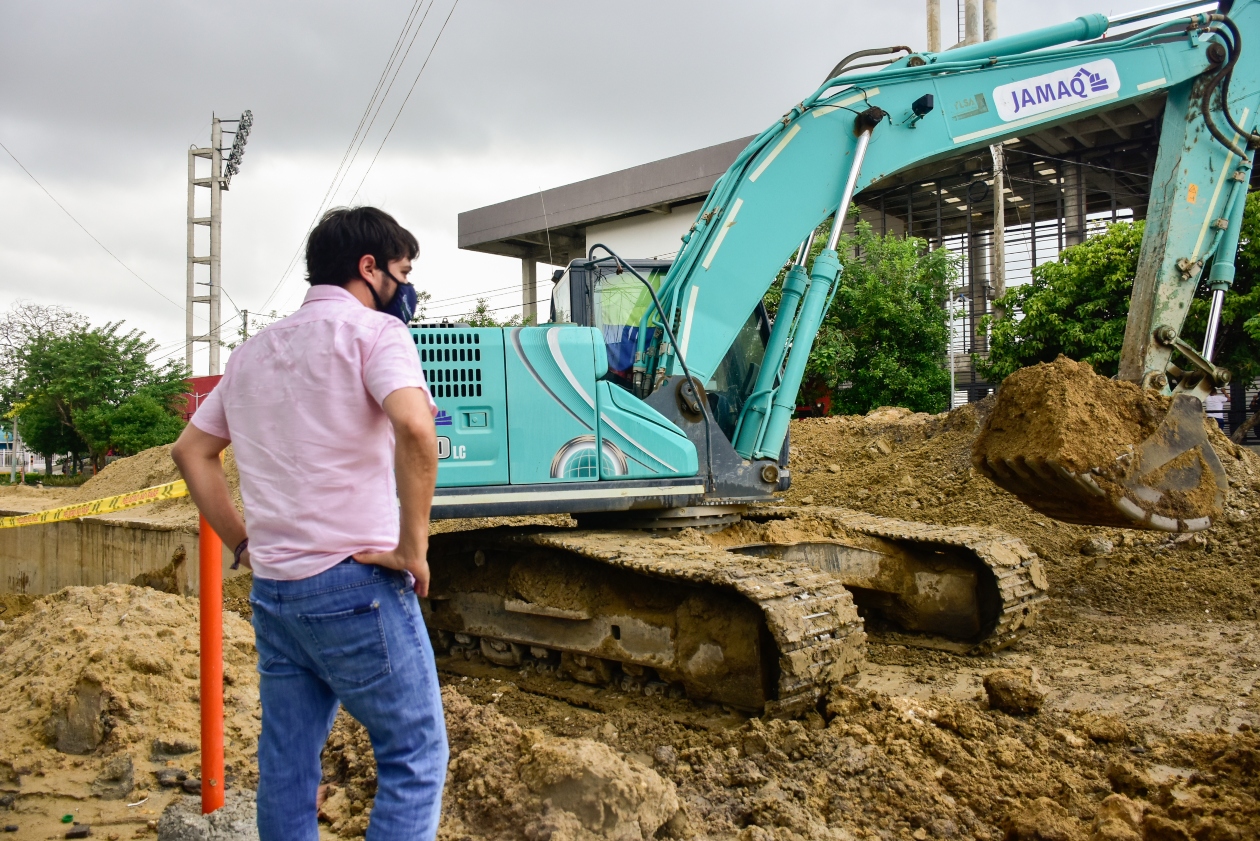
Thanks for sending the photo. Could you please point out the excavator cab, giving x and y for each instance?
(597, 295)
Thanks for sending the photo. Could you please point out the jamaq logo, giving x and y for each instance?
(1078, 86)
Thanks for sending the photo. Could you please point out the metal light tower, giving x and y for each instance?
(217, 181)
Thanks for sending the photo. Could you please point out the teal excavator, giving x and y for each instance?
(659, 396)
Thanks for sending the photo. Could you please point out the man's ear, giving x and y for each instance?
(367, 268)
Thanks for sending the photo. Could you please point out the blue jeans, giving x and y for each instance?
(352, 634)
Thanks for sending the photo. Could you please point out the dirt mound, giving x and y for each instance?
(143, 470)
(1063, 410)
(1061, 418)
(897, 463)
(506, 782)
(871, 765)
(101, 689)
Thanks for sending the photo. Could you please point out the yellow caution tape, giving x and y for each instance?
(108, 505)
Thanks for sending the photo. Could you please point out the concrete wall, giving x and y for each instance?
(646, 235)
(94, 550)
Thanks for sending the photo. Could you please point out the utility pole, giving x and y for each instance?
(216, 182)
(998, 265)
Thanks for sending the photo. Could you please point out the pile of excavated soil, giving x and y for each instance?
(143, 470)
(1064, 415)
(101, 690)
(1062, 410)
(508, 782)
(897, 463)
(13, 605)
(870, 766)
(27, 498)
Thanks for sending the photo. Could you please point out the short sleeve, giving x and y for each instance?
(393, 363)
(211, 417)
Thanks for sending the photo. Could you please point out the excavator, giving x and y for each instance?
(656, 401)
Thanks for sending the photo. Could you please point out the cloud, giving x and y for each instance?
(101, 101)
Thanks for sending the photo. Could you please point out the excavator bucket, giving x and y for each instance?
(1085, 449)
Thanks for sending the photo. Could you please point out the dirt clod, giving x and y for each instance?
(1042, 820)
(1063, 411)
(1013, 691)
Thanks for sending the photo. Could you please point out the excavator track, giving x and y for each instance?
(625, 608)
(1010, 584)
(764, 615)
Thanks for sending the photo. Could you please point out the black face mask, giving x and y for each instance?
(402, 304)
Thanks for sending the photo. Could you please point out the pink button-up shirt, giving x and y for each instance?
(301, 404)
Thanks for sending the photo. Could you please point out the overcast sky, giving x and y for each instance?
(101, 100)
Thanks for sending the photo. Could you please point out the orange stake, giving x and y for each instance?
(210, 551)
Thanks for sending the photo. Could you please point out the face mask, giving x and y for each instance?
(402, 305)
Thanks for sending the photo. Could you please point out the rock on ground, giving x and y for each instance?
(1013, 691)
(236, 821)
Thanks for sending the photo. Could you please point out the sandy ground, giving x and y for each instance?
(1146, 658)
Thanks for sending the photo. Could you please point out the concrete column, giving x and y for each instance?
(998, 261)
(934, 26)
(971, 22)
(990, 20)
(977, 282)
(529, 290)
(1073, 205)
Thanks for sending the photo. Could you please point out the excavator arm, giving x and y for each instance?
(860, 128)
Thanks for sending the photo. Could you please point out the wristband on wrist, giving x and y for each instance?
(236, 555)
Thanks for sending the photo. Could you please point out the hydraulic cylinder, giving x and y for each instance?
(758, 407)
(813, 309)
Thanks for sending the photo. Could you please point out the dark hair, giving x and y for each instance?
(345, 235)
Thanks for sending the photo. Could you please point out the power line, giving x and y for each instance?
(472, 295)
(491, 309)
(406, 98)
(381, 103)
(398, 114)
(86, 231)
(360, 135)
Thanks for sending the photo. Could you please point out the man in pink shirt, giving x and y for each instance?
(332, 427)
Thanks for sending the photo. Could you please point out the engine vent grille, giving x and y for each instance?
(439, 347)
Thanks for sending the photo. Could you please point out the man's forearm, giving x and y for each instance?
(197, 453)
(415, 467)
(208, 487)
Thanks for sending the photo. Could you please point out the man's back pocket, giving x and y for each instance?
(350, 644)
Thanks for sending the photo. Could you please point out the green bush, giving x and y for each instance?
(54, 481)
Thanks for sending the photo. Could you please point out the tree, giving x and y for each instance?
(23, 325)
(482, 316)
(884, 338)
(1078, 306)
(1075, 307)
(94, 390)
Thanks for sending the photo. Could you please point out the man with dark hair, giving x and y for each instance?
(332, 426)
